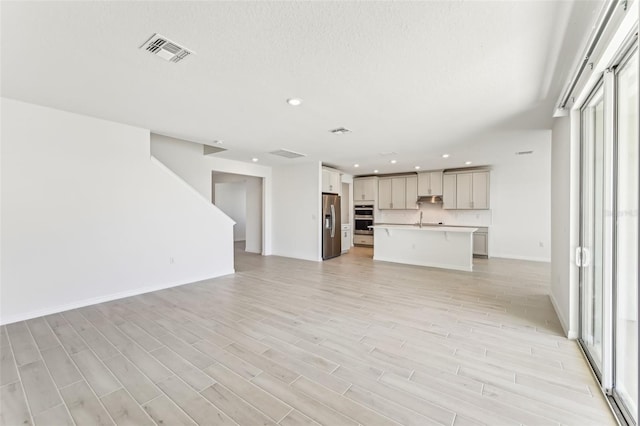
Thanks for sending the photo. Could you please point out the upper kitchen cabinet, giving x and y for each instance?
(331, 181)
(449, 191)
(385, 200)
(364, 189)
(411, 192)
(466, 190)
(397, 193)
(430, 183)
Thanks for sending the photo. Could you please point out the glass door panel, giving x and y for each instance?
(626, 265)
(592, 227)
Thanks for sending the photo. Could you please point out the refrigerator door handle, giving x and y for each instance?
(333, 221)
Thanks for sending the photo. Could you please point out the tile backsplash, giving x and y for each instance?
(435, 214)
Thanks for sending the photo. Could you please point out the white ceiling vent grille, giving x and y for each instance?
(161, 46)
(209, 150)
(287, 154)
(340, 131)
(524, 152)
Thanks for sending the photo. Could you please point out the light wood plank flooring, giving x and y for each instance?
(344, 342)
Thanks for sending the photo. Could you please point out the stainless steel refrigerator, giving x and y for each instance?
(331, 241)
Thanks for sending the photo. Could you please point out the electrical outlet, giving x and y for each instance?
(541, 244)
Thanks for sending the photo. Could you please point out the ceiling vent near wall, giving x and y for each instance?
(340, 131)
(287, 153)
(524, 152)
(208, 149)
(168, 50)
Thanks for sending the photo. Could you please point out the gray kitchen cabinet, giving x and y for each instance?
(397, 193)
(331, 182)
(480, 190)
(481, 243)
(466, 190)
(363, 240)
(449, 185)
(364, 189)
(411, 192)
(385, 200)
(346, 238)
(430, 183)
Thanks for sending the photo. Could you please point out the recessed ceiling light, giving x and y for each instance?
(417, 167)
(445, 155)
(393, 161)
(375, 171)
(356, 165)
(254, 159)
(294, 101)
(467, 162)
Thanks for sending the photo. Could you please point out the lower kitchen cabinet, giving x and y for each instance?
(363, 240)
(346, 238)
(481, 243)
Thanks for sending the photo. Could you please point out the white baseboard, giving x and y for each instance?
(516, 257)
(571, 334)
(100, 299)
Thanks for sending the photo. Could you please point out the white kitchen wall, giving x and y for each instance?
(88, 216)
(296, 211)
(186, 159)
(231, 198)
(521, 203)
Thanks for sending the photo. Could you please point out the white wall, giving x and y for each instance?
(296, 211)
(564, 273)
(521, 203)
(520, 217)
(88, 216)
(231, 198)
(186, 159)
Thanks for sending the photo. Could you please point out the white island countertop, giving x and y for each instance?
(449, 247)
(431, 228)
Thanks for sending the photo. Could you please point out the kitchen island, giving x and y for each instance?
(436, 246)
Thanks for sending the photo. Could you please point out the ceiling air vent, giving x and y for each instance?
(161, 46)
(340, 131)
(208, 149)
(287, 154)
(524, 152)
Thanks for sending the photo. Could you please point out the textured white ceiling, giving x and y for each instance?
(415, 78)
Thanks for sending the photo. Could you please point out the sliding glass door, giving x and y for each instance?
(625, 389)
(609, 225)
(592, 226)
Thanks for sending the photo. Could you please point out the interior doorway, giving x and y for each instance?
(241, 198)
